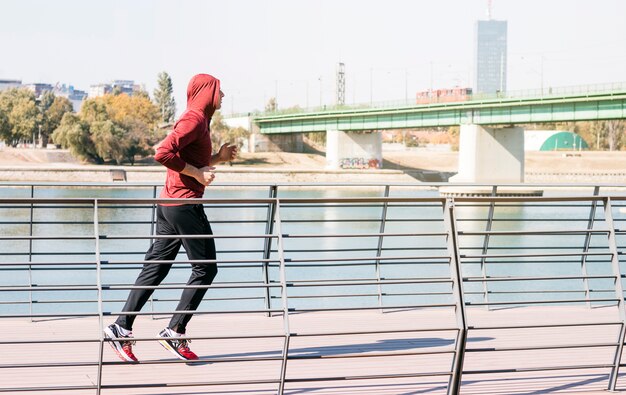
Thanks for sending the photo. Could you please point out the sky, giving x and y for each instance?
(289, 49)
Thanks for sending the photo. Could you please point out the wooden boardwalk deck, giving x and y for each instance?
(336, 357)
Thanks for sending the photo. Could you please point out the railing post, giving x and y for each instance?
(267, 249)
(454, 384)
(583, 261)
(619, 291)
(483, 260)
(284, 298)
(30, 255)
(152, 230)
(383, 220)
(96, 233)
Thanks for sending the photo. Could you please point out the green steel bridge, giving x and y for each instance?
(583, 103)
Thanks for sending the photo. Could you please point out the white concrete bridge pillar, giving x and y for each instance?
(354, 150)
(490, 155)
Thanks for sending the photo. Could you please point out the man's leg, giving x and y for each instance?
(201, 274)
(152, 273)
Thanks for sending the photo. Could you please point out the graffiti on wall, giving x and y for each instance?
(360, 163)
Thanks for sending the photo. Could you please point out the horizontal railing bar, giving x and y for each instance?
(372, 282)
(46, 389)
(532, 232)
(369, 377)
(231, 337)
(291, 260)
(538, 369)
(392, 307)
(540, 326)
(143, 385)
(541, 302)
(550, 254)
(370, 355)
(558, 262)
(379, 332)
(535, 278)
(184, 237)
(413, 234)
(68, 315)
(36, 288)
(143, 362)
(529, 348)
(318, 296)
(122, 300)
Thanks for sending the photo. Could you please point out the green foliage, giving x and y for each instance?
(20, 118)
(272, 105)
(52, 108)
(111, 128)
(164, 99)
(74, 133)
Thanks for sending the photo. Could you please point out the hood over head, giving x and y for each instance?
(203, 94)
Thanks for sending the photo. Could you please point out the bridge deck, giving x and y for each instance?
(159, 373)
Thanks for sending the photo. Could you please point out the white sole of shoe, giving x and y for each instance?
(116, 346)
(169, 348)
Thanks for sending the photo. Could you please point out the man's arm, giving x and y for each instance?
(204, 175)
(225, 154)
(184, 133)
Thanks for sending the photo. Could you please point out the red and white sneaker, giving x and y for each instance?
(178, 347)
(123, 348)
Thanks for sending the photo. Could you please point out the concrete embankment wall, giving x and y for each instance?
(223, 174)
(240, 174)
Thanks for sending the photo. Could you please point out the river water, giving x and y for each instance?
(428, 253)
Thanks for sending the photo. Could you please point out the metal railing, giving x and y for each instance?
(306, 255)
(538, 93)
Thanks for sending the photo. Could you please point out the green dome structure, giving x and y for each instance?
(553, 140)
(564, 141)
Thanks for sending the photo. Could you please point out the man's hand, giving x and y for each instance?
(205, 175)
(227, 153)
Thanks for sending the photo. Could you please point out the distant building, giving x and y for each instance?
(8, 84)
(490, 55)
(39, 88)
(124, 86)
(75, 96)
(553, 140)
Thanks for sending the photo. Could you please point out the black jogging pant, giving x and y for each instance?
(188, 219)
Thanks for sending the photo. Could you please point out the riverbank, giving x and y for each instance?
(285, 167)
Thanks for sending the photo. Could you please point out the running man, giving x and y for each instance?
(187, 154)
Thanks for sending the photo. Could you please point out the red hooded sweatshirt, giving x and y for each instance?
(190, 141)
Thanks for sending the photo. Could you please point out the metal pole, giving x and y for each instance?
(152, 230)
(583, 261)
(30, 255)
(619, 291)
(483, 261)
(285, 302)
(454, 384)
(96, 232)
(383, 220)
(267, 250)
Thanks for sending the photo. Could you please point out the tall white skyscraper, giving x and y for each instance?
(490, 54)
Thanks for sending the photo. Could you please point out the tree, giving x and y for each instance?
(108, 140)
(614, 133)
(164, 99)
(111, 128)
(272, 105)
(52, 113)
(74, 133)
(21, 116)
